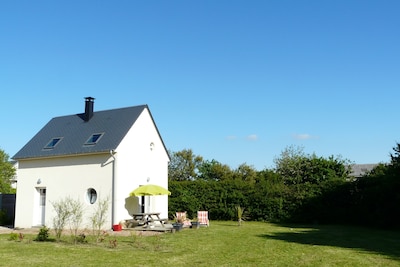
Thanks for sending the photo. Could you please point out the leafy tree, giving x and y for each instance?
(214, 171)
(288, 165)
(183, 165)
(246, 173)
(296, 167)
(395, 156)
(7, 172)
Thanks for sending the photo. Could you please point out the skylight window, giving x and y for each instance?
(93, 139)
(53, 142)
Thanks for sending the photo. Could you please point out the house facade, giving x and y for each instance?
(92, 157)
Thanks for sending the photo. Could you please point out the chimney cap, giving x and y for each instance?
(89, 98)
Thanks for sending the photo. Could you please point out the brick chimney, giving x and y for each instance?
(89, 102)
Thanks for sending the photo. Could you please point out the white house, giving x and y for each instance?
(91, 157)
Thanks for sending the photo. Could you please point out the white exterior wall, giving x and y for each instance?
(140, 163)
(136, 163)
(61, 177)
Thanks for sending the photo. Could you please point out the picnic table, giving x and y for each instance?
(148, 218)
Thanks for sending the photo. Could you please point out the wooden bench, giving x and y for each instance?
(161, 220)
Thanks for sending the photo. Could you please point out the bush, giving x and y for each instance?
(67, 211)
(43, 234)
(13, 237)
(99, 218)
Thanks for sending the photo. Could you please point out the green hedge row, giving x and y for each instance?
(371, 201)
(261, 202)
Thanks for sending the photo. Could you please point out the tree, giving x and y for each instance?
(246, 173)
(184, 165)
(395, 156)
(214, 171)
(7, 172)
(289, 164)
(296, 167)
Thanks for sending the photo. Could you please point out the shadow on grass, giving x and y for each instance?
(363, 239)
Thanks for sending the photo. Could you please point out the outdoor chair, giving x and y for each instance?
(181, 217)
(202, 216)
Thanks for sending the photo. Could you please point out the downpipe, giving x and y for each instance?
(113, 186)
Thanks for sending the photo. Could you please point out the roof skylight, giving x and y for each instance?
(52, 143)
(94, 138)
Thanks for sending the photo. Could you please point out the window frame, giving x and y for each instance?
(90, 142)
(53, 143)
(91, 195)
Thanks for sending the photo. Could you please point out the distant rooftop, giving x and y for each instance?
(358, 170)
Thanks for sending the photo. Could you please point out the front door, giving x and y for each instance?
(42, 206)
(142, 204)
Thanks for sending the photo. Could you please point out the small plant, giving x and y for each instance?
(75, 220)
(137, 239)
(113, 243)
(240, 213)
(13, 237)
(63, 213)
(81, 238)
(180, 219)
(21, 237)
(43, 234)
(157, 243)
(67, 211)
(100, 237)
(99, 217)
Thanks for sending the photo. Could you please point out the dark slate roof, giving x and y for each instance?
(74, 132)
(358, 170)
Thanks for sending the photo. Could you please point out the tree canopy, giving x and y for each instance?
(395, 156)
(184, 165)
(7, 172)
(297, 167)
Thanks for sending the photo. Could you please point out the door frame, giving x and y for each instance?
(40, 215)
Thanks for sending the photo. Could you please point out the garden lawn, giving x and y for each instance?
(221, 244)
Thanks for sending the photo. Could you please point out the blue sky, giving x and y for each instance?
(235, 81)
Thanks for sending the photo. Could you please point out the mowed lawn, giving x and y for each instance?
(221, 244)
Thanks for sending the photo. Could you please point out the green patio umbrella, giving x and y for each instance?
(149, 190)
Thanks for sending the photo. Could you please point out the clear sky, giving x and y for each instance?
(235, 81)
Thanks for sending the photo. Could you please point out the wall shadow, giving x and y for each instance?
(363, 239)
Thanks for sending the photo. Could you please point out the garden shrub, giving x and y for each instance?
(43, 234)
(13, 237)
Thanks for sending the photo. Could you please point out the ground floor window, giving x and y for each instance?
(91, 195)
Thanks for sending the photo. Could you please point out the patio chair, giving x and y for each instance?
(202, 216)
(181, 216)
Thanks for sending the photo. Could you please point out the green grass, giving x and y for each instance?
(222, 244)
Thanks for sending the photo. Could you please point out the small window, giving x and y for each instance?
(91, 195)
(94, 139)
(53, 142)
